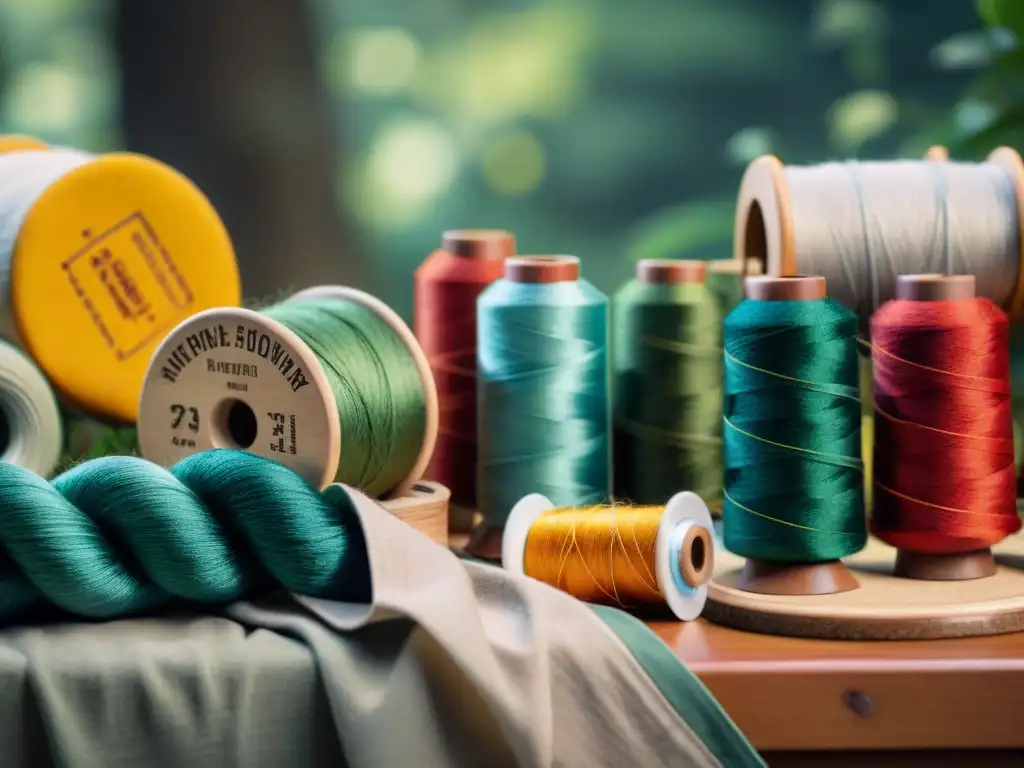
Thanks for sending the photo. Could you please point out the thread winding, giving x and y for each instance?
(544, 406)
(119, 536)
(668, 391)
(31, 432)
(446, 289)
(376, 385)
(944, 479)
(860, 224)
(793, 483)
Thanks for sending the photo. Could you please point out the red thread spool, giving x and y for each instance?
(447, 285)
(944, 481)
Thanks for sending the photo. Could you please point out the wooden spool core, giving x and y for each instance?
(885, 607)
(671, 272)
(957, 566)
(697, 556)
(763, 228)
(772, 578)
(542, 269)
(479, 243)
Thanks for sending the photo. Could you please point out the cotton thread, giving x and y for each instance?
(32, 433)
(119, 536)
(447, 286)
(631, 557)
(668, 388)
(944, 472)
(377, 388)
(793, 482)
(544, 407)
(861, 224)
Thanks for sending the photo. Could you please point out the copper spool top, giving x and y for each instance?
(670, 271)
(542, 269)
(935, 287)
(796, 288)
(479, 243)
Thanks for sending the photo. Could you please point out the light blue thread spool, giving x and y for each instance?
(544, 409)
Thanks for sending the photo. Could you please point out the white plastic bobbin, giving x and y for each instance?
(35, 436)
(408, 338)
(684, 550)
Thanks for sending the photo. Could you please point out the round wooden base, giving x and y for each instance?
(884, 607)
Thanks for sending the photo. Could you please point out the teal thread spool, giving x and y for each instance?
(544, 409)
(330, 382)
(118, 536)
(793, 476)
(667, 362)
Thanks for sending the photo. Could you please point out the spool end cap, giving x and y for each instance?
(795, 288)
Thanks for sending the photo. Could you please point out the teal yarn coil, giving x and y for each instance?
(543, 395)
(793, 472)
(120, 536)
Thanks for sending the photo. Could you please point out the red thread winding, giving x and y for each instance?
(943, 463)
(446, 289)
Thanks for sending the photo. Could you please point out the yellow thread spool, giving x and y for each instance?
(617, 555)
(107, 254)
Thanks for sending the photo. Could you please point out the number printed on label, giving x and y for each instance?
(283, 437)
(184, 421)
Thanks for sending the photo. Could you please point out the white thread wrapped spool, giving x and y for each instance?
(859, 225)
(31, 419)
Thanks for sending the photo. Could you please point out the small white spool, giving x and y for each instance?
(25, 174)
(683, 512)
(35, 432)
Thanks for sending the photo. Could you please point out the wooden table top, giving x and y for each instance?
(796, 694)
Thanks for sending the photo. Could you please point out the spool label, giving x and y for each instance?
(233, 379)
(128, 283)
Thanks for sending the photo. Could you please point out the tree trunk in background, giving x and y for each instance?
(229, 92)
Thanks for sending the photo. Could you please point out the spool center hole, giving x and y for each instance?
(698, 553)
(5, 430)
(755, 237)
(235, 424)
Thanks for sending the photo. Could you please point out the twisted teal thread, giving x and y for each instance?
(119, 536)
(793, 472)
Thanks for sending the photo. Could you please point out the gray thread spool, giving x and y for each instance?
(860, 225)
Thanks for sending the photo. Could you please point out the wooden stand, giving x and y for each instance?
(763, 228)
(485, 540)
(770, 578)
(884, 607)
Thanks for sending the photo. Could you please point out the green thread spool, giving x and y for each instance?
(793, 475)
(725, 280)
(667, 362)
(331, 383)
(117, 536)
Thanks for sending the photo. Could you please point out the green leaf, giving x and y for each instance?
(1003, 13)
(674, 232)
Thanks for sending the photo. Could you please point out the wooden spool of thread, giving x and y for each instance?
(861, 224)
(236, 378)
(943, 466)
(31, 432)
(631, 557)
(667, 363)
(775, 577)
(447, 285)
(543, 400)
(100, 257)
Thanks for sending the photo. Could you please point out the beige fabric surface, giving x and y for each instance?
(455, 664)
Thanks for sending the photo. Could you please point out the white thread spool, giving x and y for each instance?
(31, 417)
(860, 225)
(684, 550)
(100, 257)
